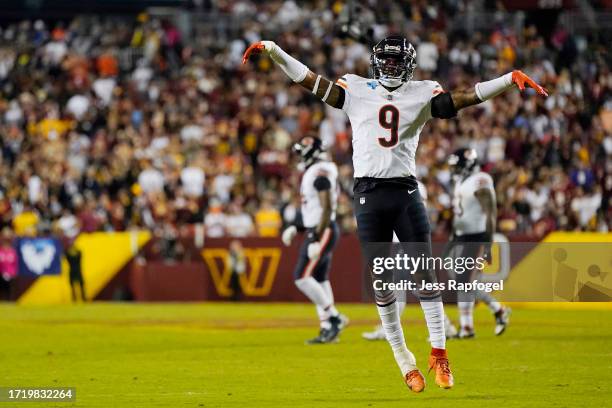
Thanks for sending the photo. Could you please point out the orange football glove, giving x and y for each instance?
(520, 79)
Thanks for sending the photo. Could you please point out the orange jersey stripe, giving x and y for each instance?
(342, 84)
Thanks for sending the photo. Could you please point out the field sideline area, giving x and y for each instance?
(236, 355)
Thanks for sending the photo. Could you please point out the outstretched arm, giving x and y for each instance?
(446, 105)
(330, 93)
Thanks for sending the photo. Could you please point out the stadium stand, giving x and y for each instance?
(115, 124)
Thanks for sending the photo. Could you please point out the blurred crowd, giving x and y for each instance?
(111, 124)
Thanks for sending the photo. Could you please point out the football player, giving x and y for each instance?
(319, 193)
(387, 113)
(474, 220)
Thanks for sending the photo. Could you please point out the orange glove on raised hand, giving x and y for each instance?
(256, 48)
(520, 79)
(292, 67)
(489, 89)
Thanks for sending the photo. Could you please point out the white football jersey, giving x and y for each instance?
(386, 125)
(469, 216)
(311, 205)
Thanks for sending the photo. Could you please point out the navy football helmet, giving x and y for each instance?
(463, 162)
(310, 149)
(393, 61)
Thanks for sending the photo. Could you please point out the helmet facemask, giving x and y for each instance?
(393, 61)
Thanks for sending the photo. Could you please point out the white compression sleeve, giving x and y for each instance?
(489, 89)
(390, 320)
(326, 285)
(313, 291)
(434, 317)
(466, 314)
(292, 67)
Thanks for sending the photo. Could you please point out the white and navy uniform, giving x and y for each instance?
(386, 126)
(320, 176)
(316, 178)
(469, 219)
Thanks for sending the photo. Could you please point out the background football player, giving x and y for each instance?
(474, 221)
(319, 193)
(387, 113)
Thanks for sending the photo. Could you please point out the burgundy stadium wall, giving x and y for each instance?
(269, 276)
(201, 274)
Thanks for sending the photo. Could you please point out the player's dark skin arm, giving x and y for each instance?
(463, 99)
(335, 98)
(330, 93)
(487, 202)
(444, 106)
(325, 199)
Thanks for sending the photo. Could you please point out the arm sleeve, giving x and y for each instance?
(292, 67)
(322, 183)
(442, 106)
(341, 98)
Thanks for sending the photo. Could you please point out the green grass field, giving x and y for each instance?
(238, 355)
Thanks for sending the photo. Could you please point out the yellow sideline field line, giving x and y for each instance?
(561, 305)
(578, 237)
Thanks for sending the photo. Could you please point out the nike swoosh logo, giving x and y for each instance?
(412, 191)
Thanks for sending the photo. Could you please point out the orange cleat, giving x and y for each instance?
(415, 381)
(438, 360)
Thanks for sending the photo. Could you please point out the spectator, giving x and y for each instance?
(26, 222)
(215, 220)
(585, 207)
(8, 264)
(192, 179)
(267, 218)
(140, 127)
(150, 179)
(238, 223)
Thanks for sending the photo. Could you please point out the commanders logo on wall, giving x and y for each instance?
(257, 280)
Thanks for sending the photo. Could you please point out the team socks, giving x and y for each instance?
(320, 296)
(326, 285)
(493, 305)
(434, 317)
(390, 319)
(466, 314)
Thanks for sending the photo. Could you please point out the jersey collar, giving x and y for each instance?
(389, 94)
